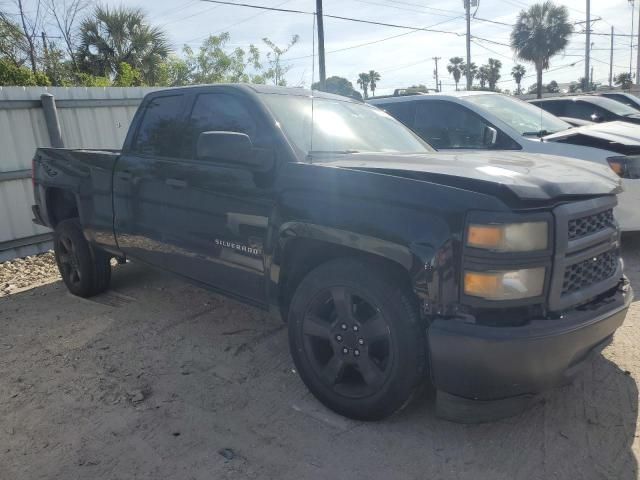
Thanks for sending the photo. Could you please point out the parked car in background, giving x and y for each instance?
(491, 121)
(592, 108)
(626, 98)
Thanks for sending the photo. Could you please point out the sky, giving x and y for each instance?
(405, 59)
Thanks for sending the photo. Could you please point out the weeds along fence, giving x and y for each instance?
(32, 117)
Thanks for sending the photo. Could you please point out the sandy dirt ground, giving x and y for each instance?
(157, 379)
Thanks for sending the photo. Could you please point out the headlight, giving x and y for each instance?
(505, 285)
(509, 237)
(625, 167)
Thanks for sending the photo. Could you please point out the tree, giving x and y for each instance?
(541, 32)
(552, 87)
(65, 14)
(30, 22)
(11, 74)
(174, 72)
(363, 82)
(13, 44)
(110, 37)
(338, 86)
(127, 76)
(493, 72)
(623, 80)
(213, 63)
(473, 70)
(374, 78)
(518, 72)
(276, 71)
(483, 76)
(456, 68)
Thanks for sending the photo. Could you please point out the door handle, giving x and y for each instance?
(176, 182)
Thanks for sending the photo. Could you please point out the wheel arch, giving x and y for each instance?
(302, 247)
(62, 204)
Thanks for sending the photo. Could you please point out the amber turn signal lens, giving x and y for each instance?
(485, 236)
(505, 285)
(485, 285)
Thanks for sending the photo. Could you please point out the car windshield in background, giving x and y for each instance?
(341, 126)
(613, 106)
(525, 118)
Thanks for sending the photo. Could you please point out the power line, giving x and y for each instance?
(337, 17)
(373, 42)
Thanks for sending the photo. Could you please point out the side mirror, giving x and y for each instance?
(489, 136)
(226, 147)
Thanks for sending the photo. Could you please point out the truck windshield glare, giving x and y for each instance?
(341, 126)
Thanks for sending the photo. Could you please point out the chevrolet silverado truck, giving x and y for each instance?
(492, 275)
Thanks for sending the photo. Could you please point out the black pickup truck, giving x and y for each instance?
(494, 275)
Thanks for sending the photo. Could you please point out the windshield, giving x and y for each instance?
(613, 106)
(525, 118)
(341, 126)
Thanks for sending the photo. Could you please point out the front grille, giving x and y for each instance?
(583, 226)
(589, 272)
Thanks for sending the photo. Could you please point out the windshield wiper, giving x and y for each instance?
(539, 133)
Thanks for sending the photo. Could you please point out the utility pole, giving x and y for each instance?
(323, 75)
(436, 72)
(611, 62)
(591, 78)
(46, 51)
(637, 46)
(467, 7)
(633, 16)
(587, 48)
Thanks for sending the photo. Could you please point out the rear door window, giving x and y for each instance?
(582, 110)
(402, 111)
(162, 128)
(448, 125)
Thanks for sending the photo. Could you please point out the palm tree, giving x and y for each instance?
(455, 68)
(483, 76)
(493, 68)
(473, 70)
(541, 32)
(110, 37)
(363, 82)
(623, 80)
(517, 72)
(374, 77)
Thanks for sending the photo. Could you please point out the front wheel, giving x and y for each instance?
(85, 270)
(356, 340)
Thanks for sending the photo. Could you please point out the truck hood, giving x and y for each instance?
(525, 175)
(609, 135)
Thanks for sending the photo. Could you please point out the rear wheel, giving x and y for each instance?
(85, 270)
(355, 338)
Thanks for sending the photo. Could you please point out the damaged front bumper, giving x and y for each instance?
(484, 372)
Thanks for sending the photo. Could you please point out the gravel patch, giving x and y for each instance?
(22, 273)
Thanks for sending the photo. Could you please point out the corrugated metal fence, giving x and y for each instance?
(89, 118)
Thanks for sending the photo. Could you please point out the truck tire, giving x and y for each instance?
(356, 339)
(85, 270)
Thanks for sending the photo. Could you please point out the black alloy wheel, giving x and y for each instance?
(356, 338)
(348, 342)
